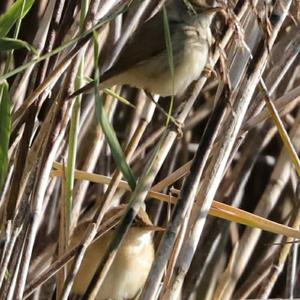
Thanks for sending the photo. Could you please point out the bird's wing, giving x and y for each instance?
(146, 42)
(152, 38)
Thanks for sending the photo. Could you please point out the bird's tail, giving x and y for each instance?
(88, 88)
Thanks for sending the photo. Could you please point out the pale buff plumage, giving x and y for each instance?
(144, 62)
(129, 270)
(131, 265)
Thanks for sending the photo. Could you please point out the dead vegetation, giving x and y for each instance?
(233, 137)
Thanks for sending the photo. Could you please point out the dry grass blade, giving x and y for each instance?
(218, 209)
(90, 227)
(282, 131)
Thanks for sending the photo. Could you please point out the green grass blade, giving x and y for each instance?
(7, 44)
(118, 97)
(67, 44)
(107, 128)
(168, 43)
(19, 9)
(5, 130)
(170, 58)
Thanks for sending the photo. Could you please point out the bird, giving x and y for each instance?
(143, 62)
(131, 265)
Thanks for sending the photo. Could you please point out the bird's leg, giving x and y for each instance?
(208, 71)
(178, 124)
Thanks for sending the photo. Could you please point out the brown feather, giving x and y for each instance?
(151, 36)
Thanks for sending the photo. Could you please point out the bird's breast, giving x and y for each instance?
(127, 273)
(189, 52)
(155, 74)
